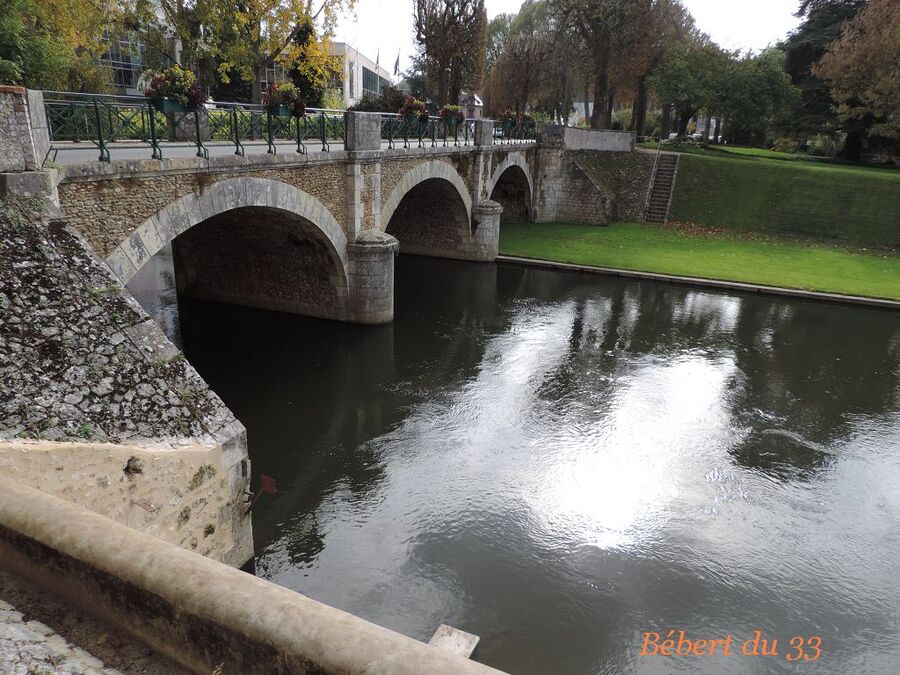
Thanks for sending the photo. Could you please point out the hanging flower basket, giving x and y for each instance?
(175, 90)
(284, 100)
(167, 105)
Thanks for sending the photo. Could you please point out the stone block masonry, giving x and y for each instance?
(80, 362)
(23, 129)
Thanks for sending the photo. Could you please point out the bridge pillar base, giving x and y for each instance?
(370, 282)
(485, 241)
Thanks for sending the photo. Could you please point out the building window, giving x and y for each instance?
(125, 60)
(371, 82)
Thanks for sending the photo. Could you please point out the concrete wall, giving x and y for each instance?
(175, 493)
(572, 138)
(200, 613)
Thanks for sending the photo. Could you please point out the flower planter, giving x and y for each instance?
(167, 105)
(280, 111)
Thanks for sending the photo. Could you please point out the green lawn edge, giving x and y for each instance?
(777, 262)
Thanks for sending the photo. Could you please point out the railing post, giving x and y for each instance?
(301, 148)
(104, 151)
(201, 150)
(235, 127)
(154, 141)
(272, 149)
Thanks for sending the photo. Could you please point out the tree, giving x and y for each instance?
(660, 25)
(255, 35)
(55, 44)
(862, 69)
(452, 37)
(174, 31)
(605, 29)
(690, 79)
(822, 24)
(757, 96)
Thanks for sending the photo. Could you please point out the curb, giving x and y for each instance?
(879, 303)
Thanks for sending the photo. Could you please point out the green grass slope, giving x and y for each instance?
(652, 248)
(860, 205)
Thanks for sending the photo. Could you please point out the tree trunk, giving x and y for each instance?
(684, 118)
(259, 74)
(601, 89)
(707, 128)
(717, 133)
(639, 108)
(587, 101)
(611, 97)
(666, 122)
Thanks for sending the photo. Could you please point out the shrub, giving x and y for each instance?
(784, 144)
(390, 101)
(177, 84)
(824, 145)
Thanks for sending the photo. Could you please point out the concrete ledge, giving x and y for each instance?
(198, 612)
(742, 287)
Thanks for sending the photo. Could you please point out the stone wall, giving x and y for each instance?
(201, 614)
(625, 176)
(107, 211)
(265, 258)
(80, 361)
(567, 194)
(23, 128)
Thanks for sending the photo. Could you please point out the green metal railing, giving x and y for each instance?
(105, 120)
(514, 131)
(109, 122)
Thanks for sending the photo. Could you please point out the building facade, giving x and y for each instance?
(358, 75)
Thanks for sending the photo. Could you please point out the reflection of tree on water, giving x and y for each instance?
(805, 375)
(803, 372)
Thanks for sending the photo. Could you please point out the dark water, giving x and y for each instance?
(559, 463)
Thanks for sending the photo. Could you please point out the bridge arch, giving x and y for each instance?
(248, 241)
(429, 211)
(512, 186)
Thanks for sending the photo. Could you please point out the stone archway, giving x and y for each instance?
(430, 212)
(248, 241)
(178, 217)
(512, 187)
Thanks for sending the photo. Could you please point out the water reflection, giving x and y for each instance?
(558, 462)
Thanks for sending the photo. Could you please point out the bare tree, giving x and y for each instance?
(452, 36)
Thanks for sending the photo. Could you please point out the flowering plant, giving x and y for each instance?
(176, 84)
(452, 112)
(285, 94)
(413, 107)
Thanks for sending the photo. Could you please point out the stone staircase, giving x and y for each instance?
(660, 198)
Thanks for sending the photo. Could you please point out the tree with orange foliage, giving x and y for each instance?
(862, 69)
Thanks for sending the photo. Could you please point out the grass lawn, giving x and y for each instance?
(727, 255)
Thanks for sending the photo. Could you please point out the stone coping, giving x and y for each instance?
(743, 287)
(96, 170)
(201, 613)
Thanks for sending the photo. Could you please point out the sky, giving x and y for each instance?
(384, 27)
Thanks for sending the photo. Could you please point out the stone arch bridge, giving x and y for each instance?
(316, 234)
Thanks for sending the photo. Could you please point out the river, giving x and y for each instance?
(560, 463)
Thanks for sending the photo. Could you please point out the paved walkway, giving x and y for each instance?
(39, 634)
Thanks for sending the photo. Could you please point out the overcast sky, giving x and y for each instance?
(386, 25)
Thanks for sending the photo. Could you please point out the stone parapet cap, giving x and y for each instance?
(487, 207)
(373, 241)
